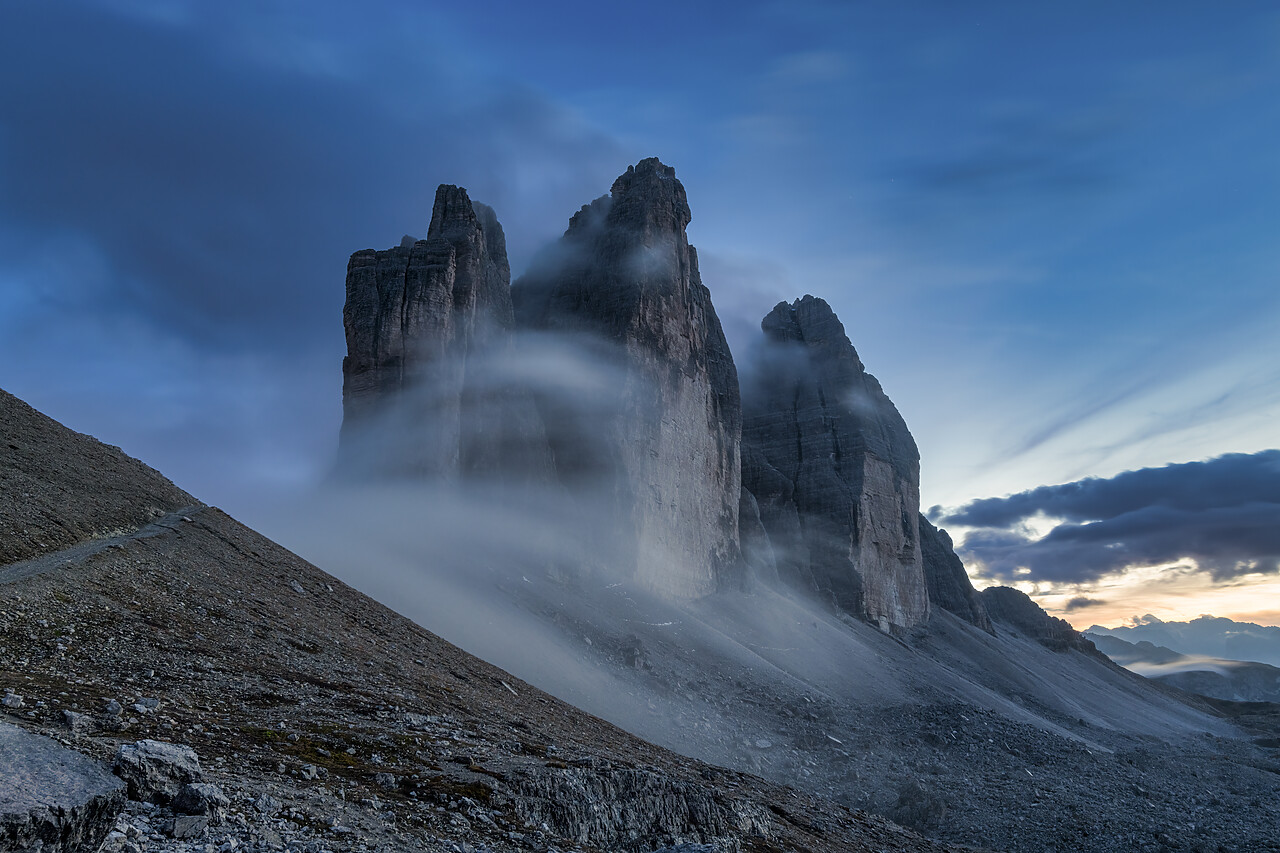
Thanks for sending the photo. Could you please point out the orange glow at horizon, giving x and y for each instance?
(1172, 593)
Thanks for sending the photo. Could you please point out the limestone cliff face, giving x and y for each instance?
(419, 318)
(625, 272)
(948, 582)
(834, 471)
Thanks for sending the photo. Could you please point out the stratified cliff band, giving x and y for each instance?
(416, 316)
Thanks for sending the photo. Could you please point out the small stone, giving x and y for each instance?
(77, 724)
(297, 587)
(309, 771)
(12, 701)
(189, 826)
(112, 708)
(266, 804)
(386, 781)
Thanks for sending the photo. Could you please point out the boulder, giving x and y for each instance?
(156, 771)
(52, 798)
(201, 798)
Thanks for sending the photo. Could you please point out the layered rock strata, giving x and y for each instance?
(624, 273)
(423, 320)
(834, 471)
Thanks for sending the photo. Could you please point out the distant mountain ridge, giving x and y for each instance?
(1209, 636)
(1219, 678)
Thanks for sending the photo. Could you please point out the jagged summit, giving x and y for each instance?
(414, 315)
(649, 197)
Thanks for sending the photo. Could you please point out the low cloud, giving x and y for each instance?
(1222, 514)
(1080, 602)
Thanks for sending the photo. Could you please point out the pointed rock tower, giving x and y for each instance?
(420, 319)
(833, 469)
(624, 271)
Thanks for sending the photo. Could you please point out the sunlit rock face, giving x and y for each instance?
(421, 319)
(624, 272)
(834, 471)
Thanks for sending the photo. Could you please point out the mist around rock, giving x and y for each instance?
(574, 480)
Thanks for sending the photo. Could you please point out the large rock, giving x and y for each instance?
(52, 798)
(428, 326)
(948, 583)
(624, 273)
(834, 470)
(156, 771)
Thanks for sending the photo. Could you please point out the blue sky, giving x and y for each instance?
(1049, 228)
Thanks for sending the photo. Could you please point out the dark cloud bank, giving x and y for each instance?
(1223, 514)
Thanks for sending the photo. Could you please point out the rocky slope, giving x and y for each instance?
(329, 722)
(625, 274)
(58, 488)
(1015, 608)
(834, 470)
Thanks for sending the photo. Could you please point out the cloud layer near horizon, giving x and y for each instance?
(1222, 514)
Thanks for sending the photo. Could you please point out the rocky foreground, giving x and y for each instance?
(326, 721)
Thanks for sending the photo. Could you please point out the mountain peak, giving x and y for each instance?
(649, 197)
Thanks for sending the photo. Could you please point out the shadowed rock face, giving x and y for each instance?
(416, 317)
(1014, 608)
(834, 471)
(625, 272)
(948, 582)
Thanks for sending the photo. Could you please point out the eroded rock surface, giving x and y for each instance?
(948, 582)
(1015, 608)
(624, 272)
(837, 472)
(52, 798)
(424, 322)
(156, 771)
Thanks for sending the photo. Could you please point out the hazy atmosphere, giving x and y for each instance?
(1049, 230)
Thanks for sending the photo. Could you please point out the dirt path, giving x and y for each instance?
(84, 550)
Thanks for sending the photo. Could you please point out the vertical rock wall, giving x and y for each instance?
(834, 471)
(625, 272)
(420, 320)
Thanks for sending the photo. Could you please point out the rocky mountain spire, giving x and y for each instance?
(833, 469)
(418, 317)
(625, 272)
